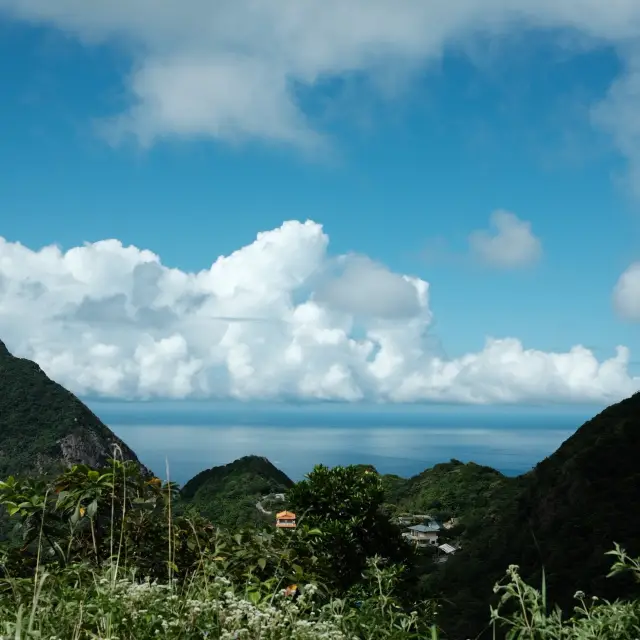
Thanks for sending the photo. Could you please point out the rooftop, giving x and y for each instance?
(431, 527)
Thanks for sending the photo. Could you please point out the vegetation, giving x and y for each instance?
(44, 427)
(471, 493)
(452, 487)
(346, 504)
(563, 518)
(227, 495)
(98, 554)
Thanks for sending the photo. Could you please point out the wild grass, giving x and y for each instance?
(103, 557)
(217, 584)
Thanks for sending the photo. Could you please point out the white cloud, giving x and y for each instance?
(512, 244)
(370, 289)
(230, 69)
(626, 294)
(272, 320)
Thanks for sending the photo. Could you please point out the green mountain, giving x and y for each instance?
(44, 427)
(228, 494)
(566, 514)
(451, 489)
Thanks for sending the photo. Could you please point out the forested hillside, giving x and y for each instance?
(44, 427)
(567, 513)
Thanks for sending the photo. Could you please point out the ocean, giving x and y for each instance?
(189, 437)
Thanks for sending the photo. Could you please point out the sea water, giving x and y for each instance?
(190, 437)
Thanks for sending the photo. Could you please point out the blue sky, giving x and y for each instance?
(413, 159)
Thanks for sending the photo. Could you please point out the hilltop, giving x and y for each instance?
(452, 489)
(568, 511)
(227, 494)
(44, 427)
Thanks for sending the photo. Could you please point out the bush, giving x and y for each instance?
(100, 555)
(593, 619)
(346, 503)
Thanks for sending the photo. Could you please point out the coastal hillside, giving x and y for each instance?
(44, 427)
(452, 489)
(570, 510)
(227, 494)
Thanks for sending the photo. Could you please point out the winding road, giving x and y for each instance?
(260, 508)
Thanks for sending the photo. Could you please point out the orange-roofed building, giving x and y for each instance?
(286, 520)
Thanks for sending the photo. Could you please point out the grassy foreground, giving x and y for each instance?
(104, 555)
(80, 603)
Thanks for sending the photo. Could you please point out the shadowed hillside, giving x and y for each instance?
(571, 509)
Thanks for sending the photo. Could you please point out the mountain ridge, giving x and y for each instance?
(571, 509)
(44, 426)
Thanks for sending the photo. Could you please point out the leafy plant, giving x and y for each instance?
(346, 504)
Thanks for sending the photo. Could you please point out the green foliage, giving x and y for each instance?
(38, 416)
(454, 489)
(346, 504)
(80, 604)
(532, 618)
(90, 515)
(99, 554)
(238, 588)
(562, 518)
(117, 515)
(227, 495)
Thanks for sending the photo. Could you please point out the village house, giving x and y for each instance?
(286, 520)
(423, 535)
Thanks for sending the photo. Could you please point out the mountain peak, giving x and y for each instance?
(3, 349)
(244, 482)
(43, 426)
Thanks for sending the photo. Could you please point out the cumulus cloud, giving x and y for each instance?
(511, 244)
(626, 294)
(370, 289)
(277, 319)
(232, 69)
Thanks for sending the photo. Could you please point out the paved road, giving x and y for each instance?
(260, 508)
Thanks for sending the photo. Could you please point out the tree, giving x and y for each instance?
(345, 503)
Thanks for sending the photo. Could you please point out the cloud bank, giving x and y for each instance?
(231, 69)
(277, 319)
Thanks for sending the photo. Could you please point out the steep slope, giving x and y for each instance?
(228, 494)
(571, 509)
(43, 426)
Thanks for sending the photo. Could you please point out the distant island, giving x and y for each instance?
(75, 498)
